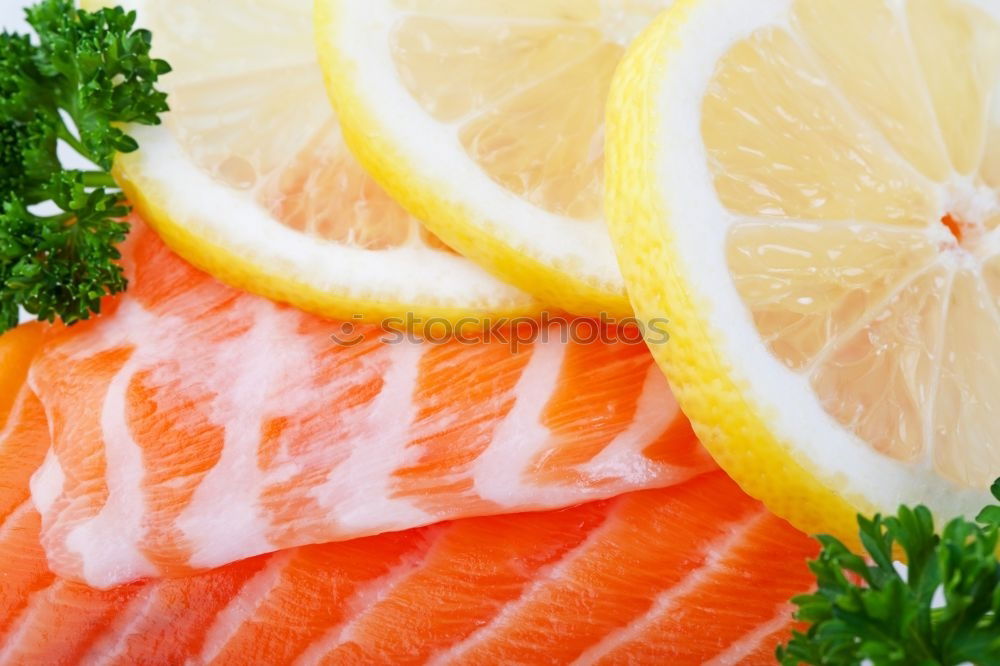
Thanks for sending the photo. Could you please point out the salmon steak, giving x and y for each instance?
(693, 573)
(194, 425)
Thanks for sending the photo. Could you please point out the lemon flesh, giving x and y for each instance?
(486, 120)
(250, 179)
(813, 203)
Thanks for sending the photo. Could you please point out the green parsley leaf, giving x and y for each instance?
(943, 610)
(85, 75)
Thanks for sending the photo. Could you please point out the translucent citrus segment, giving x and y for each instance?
(862, 47)
(878, 379)
(240, 116)
(989, 168)
(455, 67)
(967, 401)
(991, 275)
(808, 284)
(958, 47)
(260, 120)
(783, 144)
(853, 147)
(546, 10)
(525, 89)
(544, 149)
(314, 189)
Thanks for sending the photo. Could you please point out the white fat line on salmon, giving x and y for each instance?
(552, 573)
(742, 648)
(13, 640)
(368, 595)
(11, 519)
(499, 472)
(380, 445)
(225, 520)
(110, 646)
(715, 556)
(108, 542)
(47, 482)
(243, 605)
(656, 411)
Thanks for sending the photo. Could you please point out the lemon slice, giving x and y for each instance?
(249, 179)
(807, 189)
(486, 120)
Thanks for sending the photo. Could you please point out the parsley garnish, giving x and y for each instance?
(942, 611)
(86, 73)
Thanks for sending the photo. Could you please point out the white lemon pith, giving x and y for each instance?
(486, 120)
(249, 178)
(807, 190)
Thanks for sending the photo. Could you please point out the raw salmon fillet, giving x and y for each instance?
(21, 418)
(195, 425)
(690, 574)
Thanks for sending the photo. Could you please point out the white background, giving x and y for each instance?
(11, 15)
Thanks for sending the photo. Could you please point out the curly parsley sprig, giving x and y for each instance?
(87, 73)
(943, 610)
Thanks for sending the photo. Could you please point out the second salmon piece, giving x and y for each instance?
(194, 425)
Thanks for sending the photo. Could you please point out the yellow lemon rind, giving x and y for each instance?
(182, 236)
(731, 426)
(421, 196)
